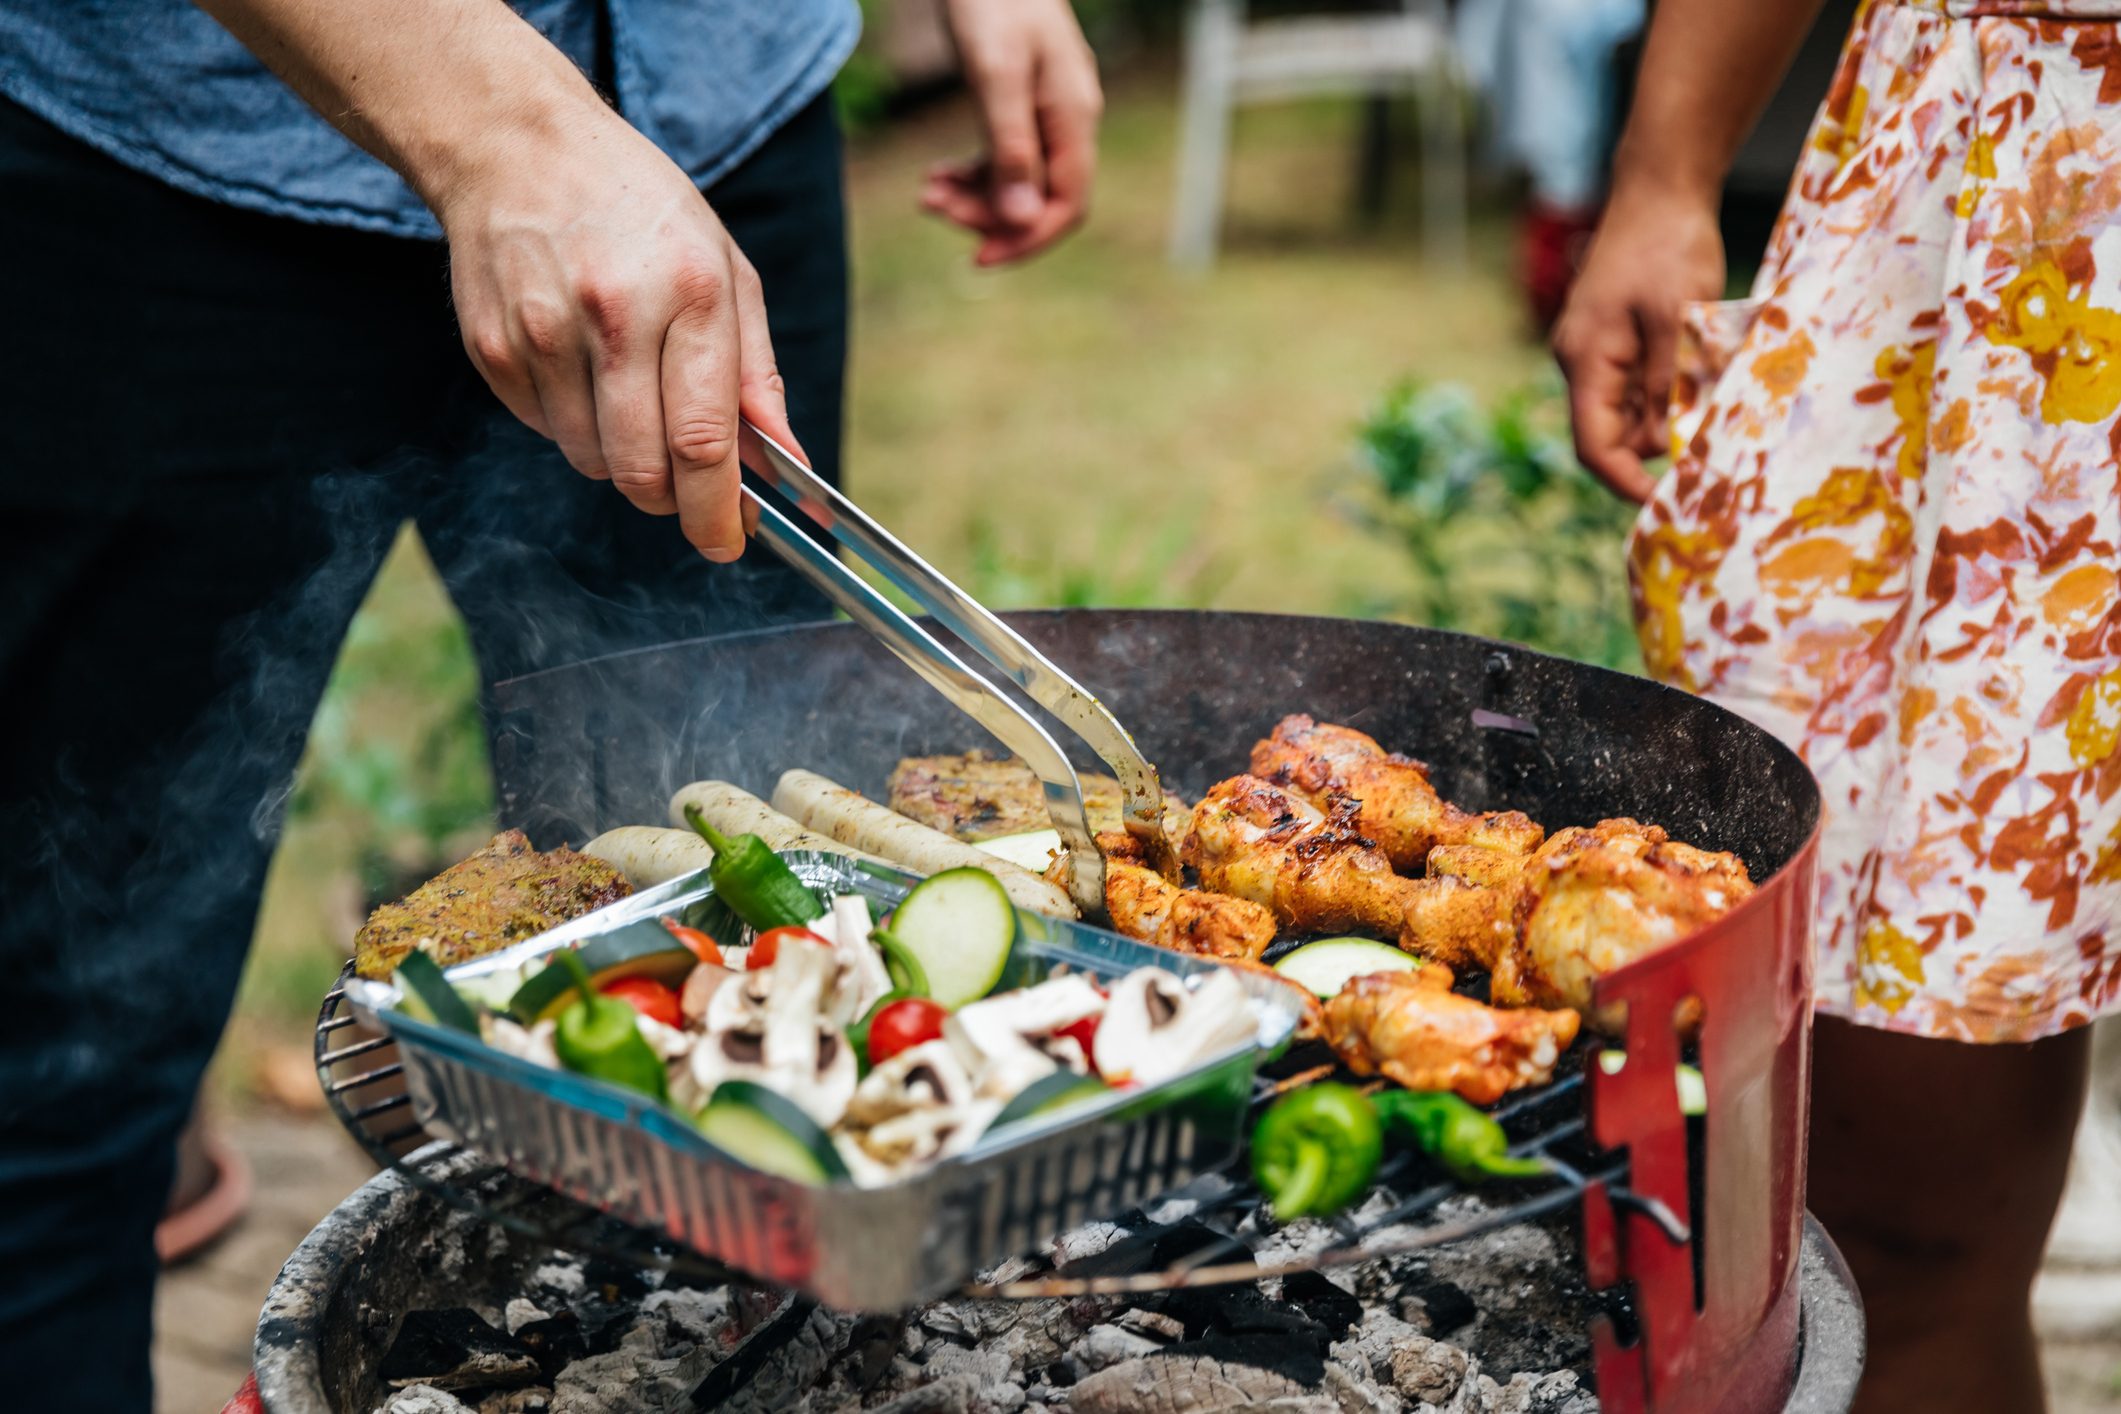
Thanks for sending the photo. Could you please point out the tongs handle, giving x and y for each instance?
(968, 691)
(1040, 678)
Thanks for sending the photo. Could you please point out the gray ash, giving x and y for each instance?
(1494, 1325)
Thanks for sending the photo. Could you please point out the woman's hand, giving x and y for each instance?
(1656, 250)
(607, 307)
(1039, 99)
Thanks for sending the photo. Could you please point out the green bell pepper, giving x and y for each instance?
(596, 1037)
(756, 883)
(1316, 1149)
(1465, 1140)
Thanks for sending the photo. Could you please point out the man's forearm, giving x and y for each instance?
(1708, 69)
(442, 90)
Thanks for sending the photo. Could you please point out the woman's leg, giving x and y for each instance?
(1937, 1167)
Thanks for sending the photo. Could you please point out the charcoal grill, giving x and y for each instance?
(1695, 1230)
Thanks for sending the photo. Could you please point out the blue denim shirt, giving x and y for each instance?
(160, 86)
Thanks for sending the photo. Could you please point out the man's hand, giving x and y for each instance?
(608, 308)
(1039, 99)
(595, 290)
(1654, 252)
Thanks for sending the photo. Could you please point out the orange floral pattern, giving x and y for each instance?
(1893, 525)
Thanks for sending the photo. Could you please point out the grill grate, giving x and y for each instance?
(364, 1085)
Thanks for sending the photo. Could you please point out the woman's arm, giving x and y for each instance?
(1708, 69)
(596, 292)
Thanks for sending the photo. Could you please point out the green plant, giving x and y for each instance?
(1140, 564)
(1507, 535)
(865, 83)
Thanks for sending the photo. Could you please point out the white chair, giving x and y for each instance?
(1231, 60)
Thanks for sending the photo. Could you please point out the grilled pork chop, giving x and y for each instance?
(983, 796)
(503, 894)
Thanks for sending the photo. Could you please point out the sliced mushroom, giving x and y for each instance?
(780, 1036)
(668, 1042)
(701, 984)
(1001, 1040)
(920, 1136)
(1155, 1026)
(533, 1044)
(740, 1001)
(927, 1076)
(820, 1086)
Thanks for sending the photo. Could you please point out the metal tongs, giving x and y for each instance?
(943, 670)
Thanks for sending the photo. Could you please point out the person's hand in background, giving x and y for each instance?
(1036, 81)
(1656, 250)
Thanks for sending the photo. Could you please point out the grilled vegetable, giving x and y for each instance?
(703, 947)
(755, 1126)
(1054, 1092)
(429, 997)
(597, 1037)
(852, 819)
(756, 883)
(1463, 1139)
(1326, 965)
(637, 950)
(1316, 1149)
(908, 977)
(766, 948)
(958, 928)
(647, 996)
(902, 1025)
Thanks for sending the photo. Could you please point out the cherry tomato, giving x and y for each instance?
(767, 946)
(699, 944)
(648, 997)
(1085, 1034)
(902, 1025)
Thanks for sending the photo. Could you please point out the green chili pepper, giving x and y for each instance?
(1462, 1138)
(1316, 1149)
(596, 1037)
(756, 883)
(908, 977)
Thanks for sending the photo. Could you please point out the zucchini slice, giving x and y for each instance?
(768, 1132)
(960, 925)
(643, 949)
(1330, 963)
(429, 997)
(1049, 1093)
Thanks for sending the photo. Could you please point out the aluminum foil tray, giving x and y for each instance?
(867, 1249)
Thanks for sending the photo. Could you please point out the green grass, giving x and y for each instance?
(1090, 429)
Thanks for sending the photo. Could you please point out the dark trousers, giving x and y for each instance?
(212, 424)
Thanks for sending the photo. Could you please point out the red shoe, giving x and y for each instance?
(1551, 242)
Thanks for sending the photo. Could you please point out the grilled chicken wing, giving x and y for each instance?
(1145, 905)
(1400, 810)
(1586, 902)
(1412, 1028)
(1256, 841)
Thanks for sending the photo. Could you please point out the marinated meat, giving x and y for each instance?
(1145, 905)
(504, 893)
(1413, 1029)
(1397, 808)
(1586, 902)
(1258, 842)
(982, 796)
